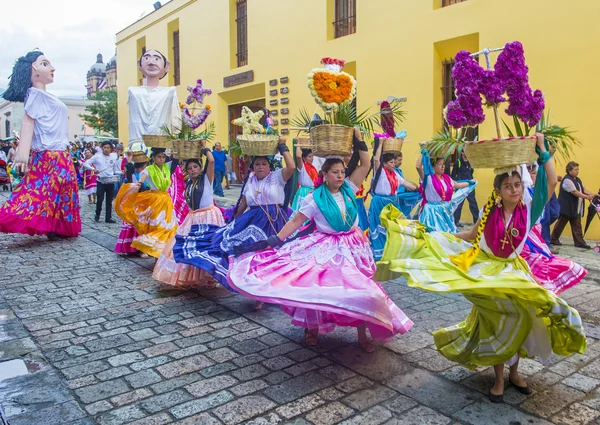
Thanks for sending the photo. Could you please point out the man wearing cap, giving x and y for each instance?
(105, 165)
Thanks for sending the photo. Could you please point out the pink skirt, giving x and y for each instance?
(46, 200)
(126, 236)
(322, 281)
(556, 274)
(180, 275)
(176, 192)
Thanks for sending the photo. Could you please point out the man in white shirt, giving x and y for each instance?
(105, 165)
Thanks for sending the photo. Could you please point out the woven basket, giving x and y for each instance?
(157, 141)
(139, 157)
(303, 142)
(258, 144)
(392, 145)
(435, 153)
(502, 153)
(186, 149)
(331, 139)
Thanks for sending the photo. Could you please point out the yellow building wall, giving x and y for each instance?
(397, 49)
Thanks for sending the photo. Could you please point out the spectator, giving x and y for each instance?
(107, 167)
(220, 169)
(571, 198)
(462, 170)
(12, 151)
(229, 174)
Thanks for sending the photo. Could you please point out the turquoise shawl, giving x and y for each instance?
(330, 209)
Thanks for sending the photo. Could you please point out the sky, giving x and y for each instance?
(69, 32)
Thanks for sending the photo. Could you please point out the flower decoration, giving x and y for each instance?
(510, 67)
(329, 86)
(195, 99)
(509, 76)
(249, 121)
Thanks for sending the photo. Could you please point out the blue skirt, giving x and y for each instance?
(208, 247)
(301, 193)
(408, 201)
(363, 219)
(439, 216)
(377, 233)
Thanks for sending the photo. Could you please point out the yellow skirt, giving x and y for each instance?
(151, 213)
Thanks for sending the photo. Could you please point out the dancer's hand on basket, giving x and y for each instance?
(540, 142)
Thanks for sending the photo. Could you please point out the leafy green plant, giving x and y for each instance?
(234, 147)
(447, 141)
(102, 115)
(561, 140)
(185, 132)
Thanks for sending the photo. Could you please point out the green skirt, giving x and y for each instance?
(301, 193)
(512, 314)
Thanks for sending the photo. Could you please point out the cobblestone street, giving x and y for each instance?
(102, 345)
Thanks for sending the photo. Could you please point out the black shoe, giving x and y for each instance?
(496, 398)
(110, 220)
(460, 225)
(53, 236)
(556, 243)
(96, 219)
(586, 246)
(526, 390)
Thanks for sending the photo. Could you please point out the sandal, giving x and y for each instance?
(367, 345)
(496, 398)
(310, 338)
(258, 306)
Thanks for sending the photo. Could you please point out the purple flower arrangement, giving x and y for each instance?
(196, 96)
(509, 76)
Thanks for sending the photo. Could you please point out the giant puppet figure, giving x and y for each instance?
(152, 213)
(46, 202)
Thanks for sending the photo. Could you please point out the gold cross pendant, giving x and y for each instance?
(504, 241)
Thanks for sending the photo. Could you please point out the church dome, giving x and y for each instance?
(99, 67)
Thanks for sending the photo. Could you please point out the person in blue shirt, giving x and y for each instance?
(220, 168)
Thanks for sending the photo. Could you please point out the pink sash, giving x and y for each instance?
(445, 194)
(501, 242)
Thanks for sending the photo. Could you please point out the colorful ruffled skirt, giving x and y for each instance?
(126, 237)
(46, 200)
(299, 196)
(181, 275)
(408, 201)
(322, 281)
(377, 233)
(177, 193)
(556, 274)
(439, 216)
(151, 214)
(512, 314)
(208, 246)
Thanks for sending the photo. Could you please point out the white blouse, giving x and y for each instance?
(310, 209)
(51, 128)
(303, 177)
(269, 190)
(430, 193)
(384, 186)
(207, 199)
(150, 109)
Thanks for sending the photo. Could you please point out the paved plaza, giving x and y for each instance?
(101, 344)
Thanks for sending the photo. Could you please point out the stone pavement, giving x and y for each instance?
(102, 345)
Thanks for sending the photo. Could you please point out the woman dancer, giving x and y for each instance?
(176, 191)
(554, 273)
(46, 202)
(439, 196)
(199, 198)
(324, 280)
(512, 315)
(89, 179)
(408, 200)
(384, 189)
(260, 213)
(128, 232)
(150, 212)
(308, 176)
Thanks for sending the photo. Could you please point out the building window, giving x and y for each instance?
(448, 95)
(242, 32)
(176, 63)
(345, 18)
(450, 2)
(7, 127)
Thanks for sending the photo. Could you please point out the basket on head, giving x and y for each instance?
(502, 153)
(157, 141)
(392, 145)
(258, 144)
(303, 142)
(436, 151)
(331, 139)
(139, 156)
(187, 149)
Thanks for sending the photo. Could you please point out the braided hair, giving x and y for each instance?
(20, 79)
